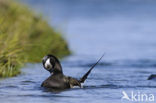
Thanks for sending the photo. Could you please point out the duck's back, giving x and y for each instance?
(56, 82)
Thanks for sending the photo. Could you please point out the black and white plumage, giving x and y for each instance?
(57, 80)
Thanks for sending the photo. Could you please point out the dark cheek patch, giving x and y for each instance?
(52, 61)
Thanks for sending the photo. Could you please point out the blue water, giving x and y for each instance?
(123, 29)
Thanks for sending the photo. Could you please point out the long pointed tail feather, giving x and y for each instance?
(86, 75)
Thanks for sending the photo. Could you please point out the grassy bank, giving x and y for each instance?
(25, 37)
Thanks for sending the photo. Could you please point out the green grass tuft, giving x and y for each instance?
(25, 37)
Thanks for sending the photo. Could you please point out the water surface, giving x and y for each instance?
(123, 29)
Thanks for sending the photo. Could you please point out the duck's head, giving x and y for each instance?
(52, 64)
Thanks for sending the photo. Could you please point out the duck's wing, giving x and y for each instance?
(74, 82)
(86, 75)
